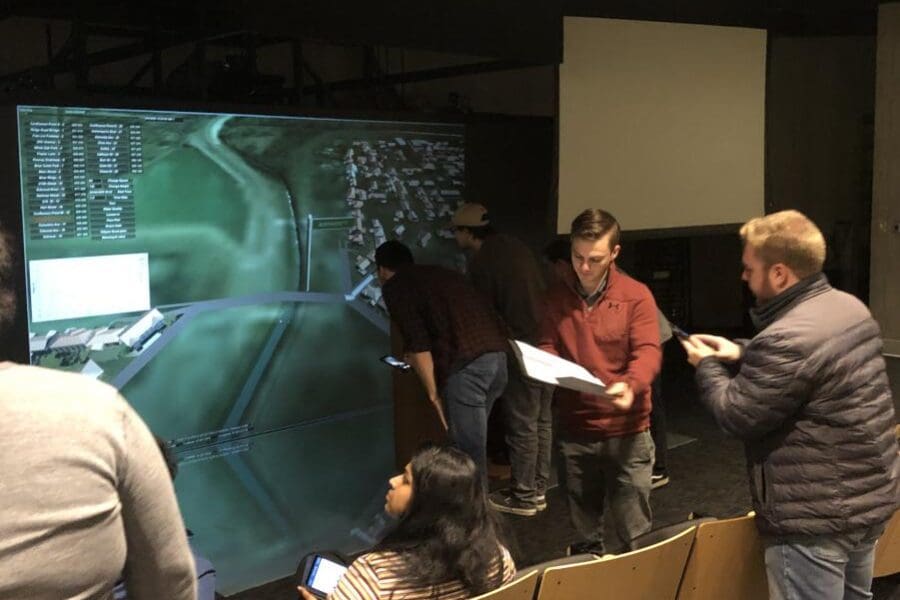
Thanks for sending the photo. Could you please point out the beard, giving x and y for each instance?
(765, 293)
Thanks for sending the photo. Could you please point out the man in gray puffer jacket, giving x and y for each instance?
(809, 397)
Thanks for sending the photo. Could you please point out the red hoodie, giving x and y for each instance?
(616, 340)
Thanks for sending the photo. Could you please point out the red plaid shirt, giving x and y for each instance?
(438, 310)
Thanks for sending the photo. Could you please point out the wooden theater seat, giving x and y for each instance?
(520, 588)
(651, 572)
(726, 561)
(887, 552)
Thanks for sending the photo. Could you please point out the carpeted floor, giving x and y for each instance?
(706, 476)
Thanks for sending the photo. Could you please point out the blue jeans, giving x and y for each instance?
(469, 395)
(826, 567)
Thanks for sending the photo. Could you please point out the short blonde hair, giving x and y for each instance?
(786, 237)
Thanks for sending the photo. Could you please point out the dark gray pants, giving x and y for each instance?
(658, 426)
(529, 433)
(616, 470)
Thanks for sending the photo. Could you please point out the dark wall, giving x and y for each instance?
(695, 278)
(819, 143)
(527, 31)
(893, 370)
(719, 297)
(13, 333)
(664, 265)
(509, 169)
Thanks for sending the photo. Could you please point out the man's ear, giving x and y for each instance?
(780, 274)
(615, 251)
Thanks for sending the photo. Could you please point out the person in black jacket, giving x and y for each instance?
(809, 397)
(505, 270)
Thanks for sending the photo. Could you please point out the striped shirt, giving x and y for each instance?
(373, 576)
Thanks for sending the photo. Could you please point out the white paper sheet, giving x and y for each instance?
(554, 370)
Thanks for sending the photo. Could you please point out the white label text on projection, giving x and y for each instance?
(69, 288)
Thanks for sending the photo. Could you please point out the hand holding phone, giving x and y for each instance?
(305, 594)
(678, 332)
(724, 349)
(395, 362)
(319, 575)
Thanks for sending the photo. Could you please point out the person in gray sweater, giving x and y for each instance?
(84, 492)
(809, 396)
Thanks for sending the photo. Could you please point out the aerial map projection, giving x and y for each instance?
(218, 269)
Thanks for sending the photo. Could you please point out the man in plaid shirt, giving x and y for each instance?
(453, 339)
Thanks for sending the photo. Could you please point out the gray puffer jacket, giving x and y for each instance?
(810, 398)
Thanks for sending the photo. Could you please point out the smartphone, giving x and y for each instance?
(395, 362)
(679, 332)
(321, 574)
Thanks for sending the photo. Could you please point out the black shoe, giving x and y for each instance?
(584, 548)
(503, 501)
(658, 480)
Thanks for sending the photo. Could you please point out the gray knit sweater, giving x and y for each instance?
(84, 494)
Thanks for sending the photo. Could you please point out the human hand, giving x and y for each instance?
(623, 395)
(724, 349)
(696, 349)
(304, 593)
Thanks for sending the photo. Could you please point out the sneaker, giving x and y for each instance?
(584, 548)
(540, 502)
(658, 480)
(503, 501)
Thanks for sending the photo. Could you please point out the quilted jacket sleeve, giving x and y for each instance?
(768, 388)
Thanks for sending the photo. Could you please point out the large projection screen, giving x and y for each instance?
(218, 269)
(662, 124)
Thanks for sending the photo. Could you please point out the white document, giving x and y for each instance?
(554, 370)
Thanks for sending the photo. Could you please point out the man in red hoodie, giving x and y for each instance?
(606, 322)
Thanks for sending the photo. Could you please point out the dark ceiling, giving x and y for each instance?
(504, 33)
(526, 30)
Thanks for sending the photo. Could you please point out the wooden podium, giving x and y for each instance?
(415, 421)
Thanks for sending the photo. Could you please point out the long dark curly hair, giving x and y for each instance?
(448, 532)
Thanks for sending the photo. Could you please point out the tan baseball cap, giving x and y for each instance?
(471, 215)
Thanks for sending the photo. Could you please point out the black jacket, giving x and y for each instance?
(811, 401)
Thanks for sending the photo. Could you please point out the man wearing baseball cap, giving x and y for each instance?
(506, 271)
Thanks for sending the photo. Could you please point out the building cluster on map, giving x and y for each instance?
(413, 184)
(419, 181)
(67, 345)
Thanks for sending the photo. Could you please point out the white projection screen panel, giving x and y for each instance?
(662, 124)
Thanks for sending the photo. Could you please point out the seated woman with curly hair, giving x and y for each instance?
(445, 546)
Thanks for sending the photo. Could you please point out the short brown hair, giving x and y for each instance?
(593, 224)
(787, 237)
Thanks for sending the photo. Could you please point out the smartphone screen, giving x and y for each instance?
(395, 362)
(324, 575)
